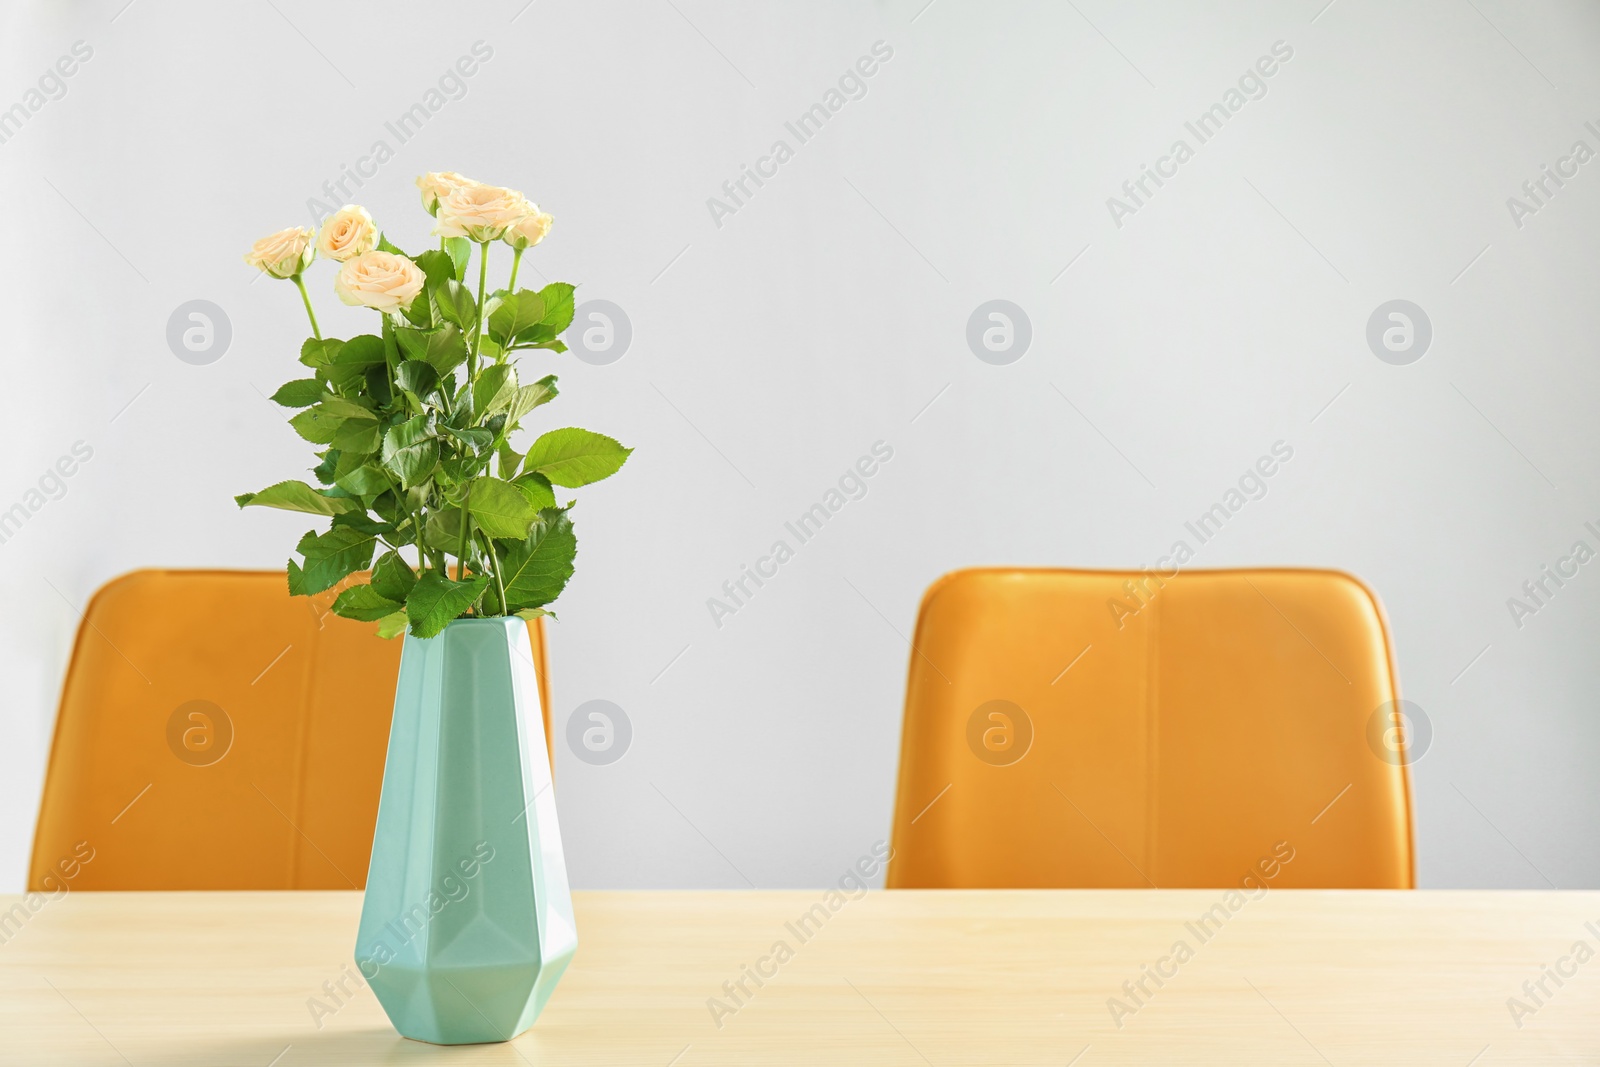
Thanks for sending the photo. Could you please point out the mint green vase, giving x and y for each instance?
(467, 922)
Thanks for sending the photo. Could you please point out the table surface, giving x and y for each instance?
(905, 977)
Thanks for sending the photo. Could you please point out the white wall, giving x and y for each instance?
(771, 351)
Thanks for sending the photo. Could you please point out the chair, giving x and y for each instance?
(1070, 728)
(217, 733)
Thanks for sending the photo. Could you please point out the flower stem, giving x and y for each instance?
(466, 534)
(494, 565)
(477, 335)
(390, 357)
(307, 300)
(516, 261)
(416, 525)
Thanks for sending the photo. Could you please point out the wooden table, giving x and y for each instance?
(939, 978)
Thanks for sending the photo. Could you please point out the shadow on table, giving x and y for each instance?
(375, 1046)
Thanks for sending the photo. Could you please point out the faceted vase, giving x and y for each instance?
(467, 922)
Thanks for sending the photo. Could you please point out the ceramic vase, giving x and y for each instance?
(467, 922)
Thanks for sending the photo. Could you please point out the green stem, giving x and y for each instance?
(477, 334)
(516, 261)
(466, 534)
(307, 301)
(391, 355)
(416, 524)
(494, 565)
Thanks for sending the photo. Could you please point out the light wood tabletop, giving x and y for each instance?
(906, 977)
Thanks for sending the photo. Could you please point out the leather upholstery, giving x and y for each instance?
(1207, 722)
(290, 803)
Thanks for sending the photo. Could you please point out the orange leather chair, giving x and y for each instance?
(1126, 729)
(217, 733)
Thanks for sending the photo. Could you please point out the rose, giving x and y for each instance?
(283, 254)
(347, 233)
(479, 212)
(436, 183)
(379, 280)
(528, 230)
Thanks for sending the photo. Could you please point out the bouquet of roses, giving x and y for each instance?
(415, 423)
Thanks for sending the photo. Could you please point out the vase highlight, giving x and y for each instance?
(467, 923)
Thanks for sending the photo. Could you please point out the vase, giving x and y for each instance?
(467, 921)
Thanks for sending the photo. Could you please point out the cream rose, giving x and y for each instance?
(528, 230)
(379, 280)
(283, 254)
(436, 183)
(479, 212)
(347, 233)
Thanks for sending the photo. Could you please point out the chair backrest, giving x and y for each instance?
(217, 733)
(1124, 729)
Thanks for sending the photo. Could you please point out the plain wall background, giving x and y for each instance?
(772, 351)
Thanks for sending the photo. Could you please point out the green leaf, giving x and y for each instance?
(420, 311)
(391, 506)
(339, 541)
(330, 463)
(536, 487)
(534, 613)
(516, 312)
(297, 496)
(475, 439)
(326, 423)
(345, 409)
(302, 392)
(356, 476)
(558, 305)
(460, 250)
(339, 552)
(316, 425)
(443, 529)
(361, 350)
(364, 603)
(536, 569)
(417, 377)
(457, 305)
(392, 577)
(357, 435)
(527, 319)
(500, 510)
(437, 265)
(384, 245)
(574, 457)
(493, 301)
(510, 459)
(350, 363)
(443, 348)
(454, 470)
(379, 389)
(392, 625)
(320, 353)
(355, 429)
(436, 600)
(496, 384)
(531, 396)
(413, 342)
(411, 451)
(361, 522)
